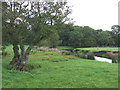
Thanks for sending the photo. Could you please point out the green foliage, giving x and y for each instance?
(104, 38)
(89, 38)
(51, 41)
(118, 58)
(79, 36)
(82, 55)
(75, 38)
(68, 53)
(33, 52)
(21, 27)
(64, 33)
(116, 35)
(90, 55)
(115, 60)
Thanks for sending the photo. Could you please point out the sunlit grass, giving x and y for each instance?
(64, 47)
(93, 49)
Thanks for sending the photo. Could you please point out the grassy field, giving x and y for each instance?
(65, 47)
(55, 70)
(95, 49)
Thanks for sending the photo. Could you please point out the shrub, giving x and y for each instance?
(32, 52)
(81, 55)
(68, 53)
(90, 55)
(75, 53)
(116, 59)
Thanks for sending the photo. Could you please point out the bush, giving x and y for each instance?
(116, 59)
(32, 52)
(75, 53)
(81, 55)
(68, 53)
(90, 55)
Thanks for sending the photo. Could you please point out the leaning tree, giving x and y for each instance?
(29, 23)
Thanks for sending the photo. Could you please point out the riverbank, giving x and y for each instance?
(104, 52)
(85, 52)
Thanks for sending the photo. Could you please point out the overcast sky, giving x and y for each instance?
(98, 14)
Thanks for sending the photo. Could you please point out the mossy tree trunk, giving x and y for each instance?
(20, 60)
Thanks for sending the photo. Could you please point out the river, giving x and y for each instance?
(103, 59)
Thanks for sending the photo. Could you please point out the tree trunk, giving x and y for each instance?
(51, 22)
(16, 55)
(20, 60)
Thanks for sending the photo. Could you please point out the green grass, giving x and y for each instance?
(64, 47)
(55, 70)
(94, 49)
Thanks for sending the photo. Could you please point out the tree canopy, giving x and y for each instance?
(30, 23)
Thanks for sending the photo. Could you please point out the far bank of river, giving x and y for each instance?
(103, 56)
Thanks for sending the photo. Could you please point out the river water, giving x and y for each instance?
(101, 59)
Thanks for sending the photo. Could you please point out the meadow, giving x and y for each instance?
(96, 49)
(56, 70)
(65, 47)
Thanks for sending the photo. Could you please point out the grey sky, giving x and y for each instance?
(98, 14)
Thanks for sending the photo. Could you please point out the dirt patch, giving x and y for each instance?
(48, 49)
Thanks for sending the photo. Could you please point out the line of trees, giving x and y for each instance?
(78, 36)
(83, 36)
